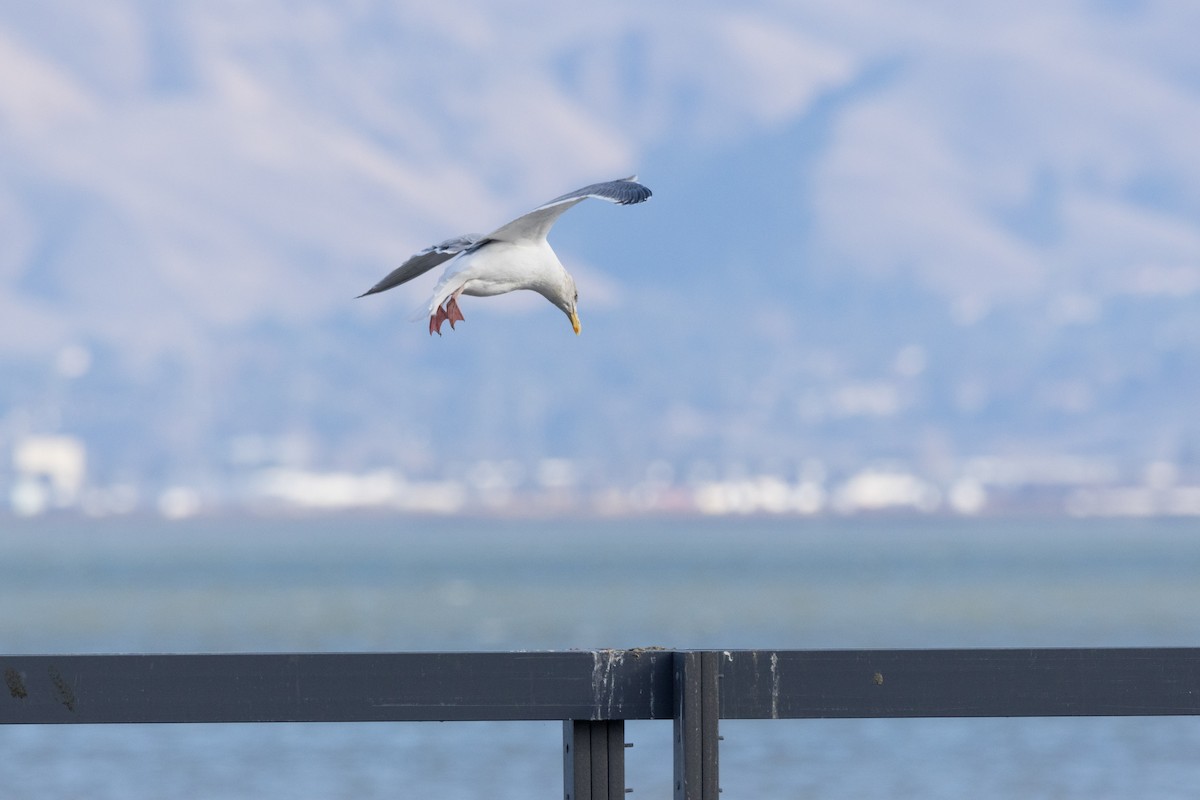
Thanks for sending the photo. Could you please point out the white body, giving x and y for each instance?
(504, 267)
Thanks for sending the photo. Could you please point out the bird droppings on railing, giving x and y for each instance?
(15, 683)
(603, 688)
(774, 685)
(774, 672)
(66, 695)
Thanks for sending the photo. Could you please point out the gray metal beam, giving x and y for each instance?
(697, 702)
(765, 684)
(596, 685)
(336, 687)
(594, 760)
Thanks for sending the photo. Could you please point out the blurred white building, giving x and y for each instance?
(50, 472)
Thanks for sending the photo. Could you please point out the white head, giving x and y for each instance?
(564, 295)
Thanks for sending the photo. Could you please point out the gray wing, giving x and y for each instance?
(424, 261)
(537, 223)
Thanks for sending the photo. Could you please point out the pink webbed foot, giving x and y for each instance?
(435, 321)
(453, 314)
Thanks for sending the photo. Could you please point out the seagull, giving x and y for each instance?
(514, 256)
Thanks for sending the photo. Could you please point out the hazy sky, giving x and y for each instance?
(173, 175)
(206, 163)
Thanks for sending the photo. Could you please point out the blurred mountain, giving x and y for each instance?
(910, 235)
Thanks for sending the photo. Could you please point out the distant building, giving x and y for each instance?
(50, 472)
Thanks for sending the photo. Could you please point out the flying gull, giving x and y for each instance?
(514, 256)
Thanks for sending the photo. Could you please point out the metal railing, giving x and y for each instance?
(595, 691)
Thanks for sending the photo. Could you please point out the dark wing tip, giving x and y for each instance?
(629, 191)
(622, 191)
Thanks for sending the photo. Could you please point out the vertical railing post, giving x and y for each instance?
(697, 710)
(593, 759)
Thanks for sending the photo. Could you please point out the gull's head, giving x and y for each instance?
(566, 297)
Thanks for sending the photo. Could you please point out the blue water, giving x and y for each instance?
(362, 583)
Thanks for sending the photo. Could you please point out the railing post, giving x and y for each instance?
(697, 709)
(593, 759)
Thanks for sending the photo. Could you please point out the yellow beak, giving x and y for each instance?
(575, 322)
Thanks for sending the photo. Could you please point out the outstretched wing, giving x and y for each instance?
(424, 261)
(536, 224)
